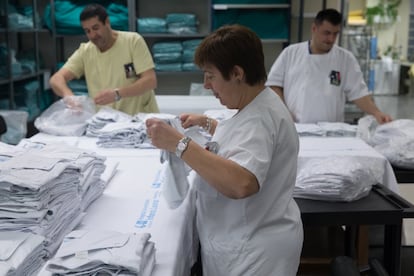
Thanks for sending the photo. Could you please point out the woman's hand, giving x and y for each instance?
(189, 120)
(162, 135)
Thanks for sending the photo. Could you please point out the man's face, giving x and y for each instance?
(97, 32)
(324, 37)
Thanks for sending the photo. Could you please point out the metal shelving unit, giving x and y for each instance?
(14, 41)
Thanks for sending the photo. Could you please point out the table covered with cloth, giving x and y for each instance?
(133, 202)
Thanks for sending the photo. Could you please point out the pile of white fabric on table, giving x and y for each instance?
(394, 140)
(44, 190)
(326, 129)
(20, 253)
(115, 129)
(336, 178)
(86, 252)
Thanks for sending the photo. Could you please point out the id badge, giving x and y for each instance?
(335, 78)
(129, 70)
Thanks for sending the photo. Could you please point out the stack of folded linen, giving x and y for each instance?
(20, 253)
(309, 130)
(124, 135)
(104, 116)
(91, 167)
(168, 56)
(87, 252)
(151, 25)
(337, 178)
(42, 190)
(182, 23)
(327, 129)
(338, 129)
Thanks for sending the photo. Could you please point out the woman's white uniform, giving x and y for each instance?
(316, 87)
(261, 234)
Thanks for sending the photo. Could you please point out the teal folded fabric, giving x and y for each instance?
(151, 25)
(170, 67)
(162, 58)
(67, 15)
(190, 66)
(167, 47)
(191, 44)
(188, 55)
(187, 19)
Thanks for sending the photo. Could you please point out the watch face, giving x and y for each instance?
(181, 146)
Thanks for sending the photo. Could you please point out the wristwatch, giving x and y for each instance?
(117, 95)
(182, 146)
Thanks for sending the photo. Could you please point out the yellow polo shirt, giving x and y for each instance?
(115, 68)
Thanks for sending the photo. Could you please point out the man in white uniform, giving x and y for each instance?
(316, 77)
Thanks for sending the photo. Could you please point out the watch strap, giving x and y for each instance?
(117, 95)
(182, 146)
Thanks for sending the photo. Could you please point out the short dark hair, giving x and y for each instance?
(232, 45)
(331, 15)
(93, 10)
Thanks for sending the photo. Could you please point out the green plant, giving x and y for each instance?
(386, 11)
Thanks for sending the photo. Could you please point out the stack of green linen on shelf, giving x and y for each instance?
(67, 15)
(151, 25)
(181, 23)
(167, 56)
(175, 55)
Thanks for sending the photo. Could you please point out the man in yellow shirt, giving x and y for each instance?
(118, 66)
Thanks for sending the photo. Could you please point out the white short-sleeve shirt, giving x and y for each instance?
(316, 86)
(261, 234)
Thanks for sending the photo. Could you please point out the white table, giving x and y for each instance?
(134, 195)
(133, 202)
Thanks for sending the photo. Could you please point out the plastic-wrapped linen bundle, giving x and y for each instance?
(397, 128)
(67, 15)
(167, 47)
(189, 66)
(182, 23)
(189, 48)
(395, 140)
(366, 127)
(399, 151)
(151, 25)
(16, 122)
(62, 120)
(168, 56)
(335, 178)
(191, 44)
(169, 67)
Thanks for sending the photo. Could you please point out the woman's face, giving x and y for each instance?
(227, 91)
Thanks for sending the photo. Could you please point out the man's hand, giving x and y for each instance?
(382, 118)
(105, 97)
(72, 103)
